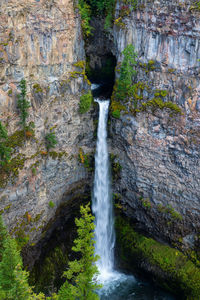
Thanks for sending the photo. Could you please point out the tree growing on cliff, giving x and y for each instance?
(127, 72)
(22, 104)
(50, 140)
(4, 150)
(3, 235)
(81, 283)
(13, 280)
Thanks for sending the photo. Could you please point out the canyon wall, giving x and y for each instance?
(158, 150)
(40, 42)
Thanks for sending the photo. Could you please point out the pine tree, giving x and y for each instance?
(127, 71)
(50, 140)
(3, 236)
(23, 104)
(4, 150)
(80, 283)
(13, 280)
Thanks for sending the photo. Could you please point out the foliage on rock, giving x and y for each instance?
(173, 264)
(137, 96)
(22, 104)
(4, 149)
(85, 102)
(81, 282)
(50, 140)
(13, 279)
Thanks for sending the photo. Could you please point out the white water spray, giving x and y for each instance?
(103, 209)
(102, 199)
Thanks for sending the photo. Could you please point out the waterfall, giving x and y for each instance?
(102, 199)
(116, 285)
(102, 207)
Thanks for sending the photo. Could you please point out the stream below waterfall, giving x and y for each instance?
(116, 284)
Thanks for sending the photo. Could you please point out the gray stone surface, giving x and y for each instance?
(160, 154)
(41, 43)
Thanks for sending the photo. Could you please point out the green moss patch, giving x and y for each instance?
(181, 274)
(15, 140)
(37, 88)
(80, 71)
(11, 169)
(85, 102)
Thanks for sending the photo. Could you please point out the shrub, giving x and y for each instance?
(4, 149)
(116, 113)
(34, 171)
(23, 104)
(127, 71)
(50, 140)
(85, 12)
(51, 204)
(85, 102)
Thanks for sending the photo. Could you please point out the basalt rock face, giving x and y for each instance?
(40, 41)
(159, 151)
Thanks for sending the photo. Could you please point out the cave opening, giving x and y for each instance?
(101, 71)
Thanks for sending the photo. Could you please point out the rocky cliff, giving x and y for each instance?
(159, 151)
(40, 42)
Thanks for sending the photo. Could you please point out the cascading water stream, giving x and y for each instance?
(103, 210)
(102, 199)
(116, 285)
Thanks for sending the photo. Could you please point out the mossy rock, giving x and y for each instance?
(10, 170)
(169, 267)
(85, 102)
(37, 88)
(16, 139)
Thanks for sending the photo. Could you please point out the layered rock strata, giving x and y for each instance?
(159, 151)
(40, 42)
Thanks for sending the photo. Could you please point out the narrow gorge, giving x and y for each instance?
(144, 56)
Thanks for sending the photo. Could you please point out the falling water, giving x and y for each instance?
(102, 199)
(116, 285)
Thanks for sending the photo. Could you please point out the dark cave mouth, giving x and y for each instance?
(102, 73)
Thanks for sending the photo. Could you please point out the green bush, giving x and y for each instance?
(50, 140)
(85, 102)
(116, 114)
(124, 88)
(79, 284)
(34, 171)
(4, 149)
(23, 104)
(91, 8)
(85, 12)
(51, 204)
